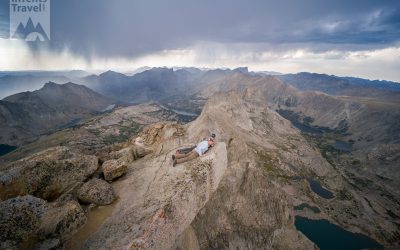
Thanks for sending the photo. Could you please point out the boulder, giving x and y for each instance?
(130, 153)
(96, 191)
(140, 151)
(62, 220)
(113, 169)
(140, 148)
(19, 219)
(47, 174)
(151, 134)
(125, 155)
(132, 150)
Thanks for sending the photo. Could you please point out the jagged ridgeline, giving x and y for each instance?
(296, 158)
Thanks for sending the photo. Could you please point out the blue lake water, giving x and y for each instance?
(180, 112)
(318, 189)
(308, 129)
(4, 149)
(304, 127)
(341, 145)
(329, 236)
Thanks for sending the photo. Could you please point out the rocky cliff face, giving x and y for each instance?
(355, 117)
(363, 125)
(252, 207)
(287, 157)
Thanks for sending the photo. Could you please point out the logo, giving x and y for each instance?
(30, 20)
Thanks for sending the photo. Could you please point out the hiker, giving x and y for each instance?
(199, 150)
(189, 149)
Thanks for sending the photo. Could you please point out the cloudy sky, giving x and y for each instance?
(357, 38)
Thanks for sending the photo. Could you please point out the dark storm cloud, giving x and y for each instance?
(136, 27)
(380, 26)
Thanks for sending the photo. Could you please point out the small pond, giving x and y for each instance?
(318, 189)
(308, 129)
(342, 146)
(179, 112)
(330, 236)
(305, 127)
(5, 149)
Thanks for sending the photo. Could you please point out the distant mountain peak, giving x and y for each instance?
(109, 73)
(47, 109)
(242, 70)
(49, 84)
(63, 87)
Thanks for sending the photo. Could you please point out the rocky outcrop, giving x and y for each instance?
(20, 217)
(205, 200)
(156, 134)
(125, 154)
(252, 213)
(62, 220)
(113, 169)
(250, 209)
(47, 174)
(96, 191)
(268, 156)
(156, 201)
(25, 220)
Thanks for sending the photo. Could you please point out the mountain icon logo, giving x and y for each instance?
(30, 33)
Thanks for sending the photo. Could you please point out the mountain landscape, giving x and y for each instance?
(156, 84)
(13, 82)
(175, 125)
(349, 86)
(296, 155)
(28, 114)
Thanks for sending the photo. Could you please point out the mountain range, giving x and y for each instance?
(291, 150)
(347, 86)
(155, 84)
(28, 114)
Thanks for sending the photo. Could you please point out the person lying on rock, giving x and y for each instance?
(199, 150)
(189, 149)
